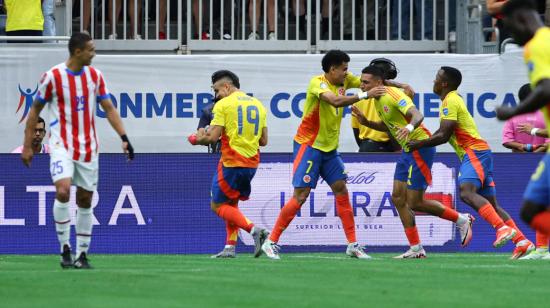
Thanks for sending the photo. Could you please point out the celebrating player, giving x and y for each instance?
(240, 120)
(477, 188)
(527, 29)
(413, 170)
(70, 90)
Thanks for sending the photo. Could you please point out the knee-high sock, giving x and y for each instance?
(346, 216)
(83, 230)
(288, 212)
(62, 218)
(232, 234)
(542, 241)
(412, 236)
(233, 215)
(519, 235)
(490, 215)
(541, 223)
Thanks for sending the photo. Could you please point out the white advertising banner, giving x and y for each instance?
(160, 97)
(377, 221)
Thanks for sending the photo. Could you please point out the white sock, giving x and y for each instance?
(62, 218)
(83, 230)
(543, 249)
(462, 219)
(416, 247)
(229, 246)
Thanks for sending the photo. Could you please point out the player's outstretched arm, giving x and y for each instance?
(380, 126)
(345, 100)
(32, 119)
(441, 136)
(539, 97)
(211, 136)
(263, 138)
(116, 123)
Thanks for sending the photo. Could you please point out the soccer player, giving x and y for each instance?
(70, 91)
(477, 188)
(527, 29)
(240, 121)
(315, 149)
(39, 134)
(413, 170)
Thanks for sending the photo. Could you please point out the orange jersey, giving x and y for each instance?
(465, 135)
(320, 126)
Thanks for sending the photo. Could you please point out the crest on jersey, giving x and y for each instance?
(446, 111)
(530, 66)
(386, 109)
(402, 103)
(341, 91)
(26, 98)
(306, 178)
(323, 85)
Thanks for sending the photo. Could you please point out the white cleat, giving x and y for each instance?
(356, 251)
(412, 254)
(271, 249)
(466, 231)
(537, 255)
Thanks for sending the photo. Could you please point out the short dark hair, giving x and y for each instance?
(514, 5)
(226, 74)
(78, 41)
(374, 71)
(333, 57)
(386, 65)
(452, 76)
(524, 91)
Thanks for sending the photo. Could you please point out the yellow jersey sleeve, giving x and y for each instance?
(449, 110)
(352, 81)
(219, 115)
(318, 87)
(404, 104)
(537, 56)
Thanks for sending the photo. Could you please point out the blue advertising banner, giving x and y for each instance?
(159, 203)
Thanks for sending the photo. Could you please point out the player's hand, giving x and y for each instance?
(413, 145)
(409, 91)
(26, 156)
(525, 128)
(540, 148)
(127, 147)
(358, 115)
(402, 133)
(376, 92)
(192, 139)
(504, 112)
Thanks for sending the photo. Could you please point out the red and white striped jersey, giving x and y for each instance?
(71, 98)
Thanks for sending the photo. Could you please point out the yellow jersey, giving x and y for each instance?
(243, 117)
(465, 135)
(392, 108)
(320, 126)
(24, 15)
(369, 110)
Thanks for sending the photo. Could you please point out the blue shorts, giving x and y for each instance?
(537, 191)
(477, 168)
(415, 168)
(231, 184)
(309, 163)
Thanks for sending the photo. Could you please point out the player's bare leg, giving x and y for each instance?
(345, 212)
(523, 245)
(84, 221)
(468, 194)
(287, 214)
(62, 218)
(399, 199)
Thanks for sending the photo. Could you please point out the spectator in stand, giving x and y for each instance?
(24, 18)
(134, 32)
(205, 31)
(48, 10)
(418, 11)
(520, 132)
(255, 28)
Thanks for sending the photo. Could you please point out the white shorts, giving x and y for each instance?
(83, 174)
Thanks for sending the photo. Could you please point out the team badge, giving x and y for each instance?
(446, 111)
(386, 109)
(323, 85)
(402, 103)
(341, 91)
(307, 178)
(530, 66)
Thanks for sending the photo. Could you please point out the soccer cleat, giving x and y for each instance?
(356, 251)
(412, 254)
(227, 252)
(466, 231)
(537, 255)
(271, 249)
(259, 237)
(82, 262)
(522, 248)
(66, 258)
(504, 234)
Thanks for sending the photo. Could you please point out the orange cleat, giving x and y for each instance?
(522, 248)
(504, 234)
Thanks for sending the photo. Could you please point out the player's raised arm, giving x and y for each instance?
(211, 136)
(535, 101)
(116, 123)
(379, 126)
(32, 119)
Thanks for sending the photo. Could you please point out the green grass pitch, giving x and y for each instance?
(297, 280)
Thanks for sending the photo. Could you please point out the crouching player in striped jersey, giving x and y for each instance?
(70, 91)
(240, 120)
(477, 188)
(413, 169)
